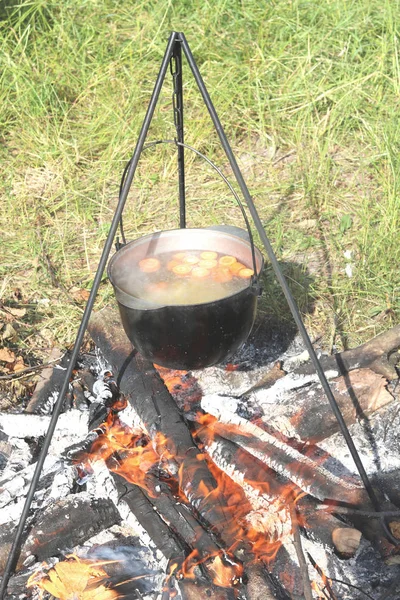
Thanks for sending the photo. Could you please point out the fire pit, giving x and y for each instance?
(218, 481)
(187, 489)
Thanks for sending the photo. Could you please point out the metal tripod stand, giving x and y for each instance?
(173, 57)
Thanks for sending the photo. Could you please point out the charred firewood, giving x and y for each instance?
(374, 354)
(141, 384)
(78, 397)
(48, 386)
(303, 472)
(181, 521)
(191, 590)
(158, 530)
(60, 527)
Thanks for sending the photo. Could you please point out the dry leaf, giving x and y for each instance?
(75, 580)
(19, 364)
(7, 355)
(16, 312)
(8, 333)
(79, 294)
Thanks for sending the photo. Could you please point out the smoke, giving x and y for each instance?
(129, 569)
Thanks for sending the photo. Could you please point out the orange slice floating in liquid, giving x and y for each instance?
(182, 270)
(200, 272)
(191, 260)
(236, 267)
(172, 263)
(227, 261)
(209, 255)
(245, 273)
(208, 264)
(149, 265)
(222, 275)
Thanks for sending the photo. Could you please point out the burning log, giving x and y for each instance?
(143, 387)
(157, 529)
(306, 474)
(61, 527)
(374, 354)
(305, 412)
(267, 494)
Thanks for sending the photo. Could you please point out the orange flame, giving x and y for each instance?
(133, 455)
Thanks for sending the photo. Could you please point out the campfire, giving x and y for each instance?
(231, 482)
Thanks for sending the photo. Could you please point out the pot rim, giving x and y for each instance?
(142, 304)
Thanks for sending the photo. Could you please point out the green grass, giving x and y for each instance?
(308, 93)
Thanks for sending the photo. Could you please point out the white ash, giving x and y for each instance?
(364, 570)
(111, 534)
(291, 381)
(213, 380)
(14, 489)
(129, 417)
(100, 484)
(19, 458)
(71, 427)
(101, 390)
(377, 441)
(62, 483)
(292, 362)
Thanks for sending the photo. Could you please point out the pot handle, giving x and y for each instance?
(254, 281)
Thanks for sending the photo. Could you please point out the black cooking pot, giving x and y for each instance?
(186, 336)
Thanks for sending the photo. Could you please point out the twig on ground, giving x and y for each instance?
(23, 372)
(300, 554)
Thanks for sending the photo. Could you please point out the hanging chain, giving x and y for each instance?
(174, 68)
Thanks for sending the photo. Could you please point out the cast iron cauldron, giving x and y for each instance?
(186, 336)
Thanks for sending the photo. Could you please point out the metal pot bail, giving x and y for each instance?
(254, 284)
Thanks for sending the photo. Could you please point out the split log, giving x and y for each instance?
(141, 384)
(59, 528)
(180, 520)
(305, 413)
(158, 530)
(374, 354)
(50, 381)
(267, 495)
(302, 471)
